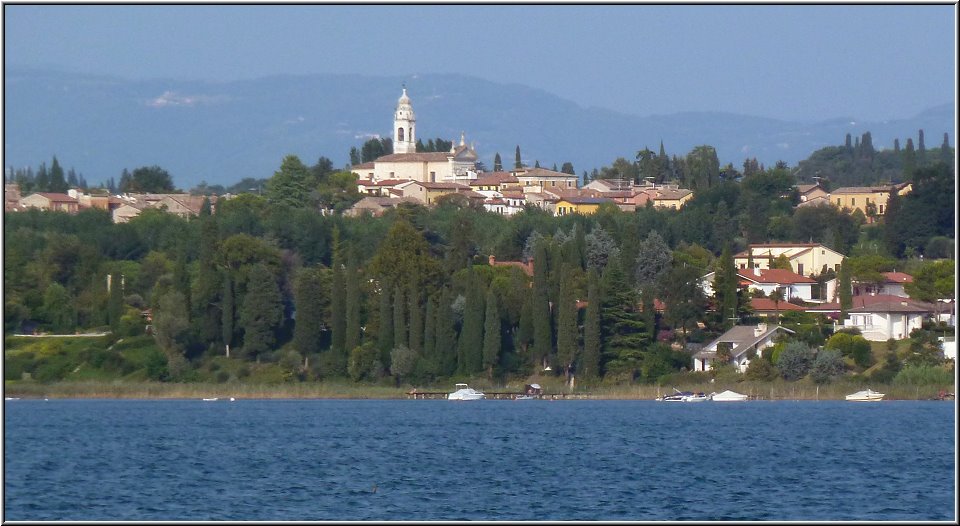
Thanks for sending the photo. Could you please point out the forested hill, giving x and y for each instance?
(224, 132)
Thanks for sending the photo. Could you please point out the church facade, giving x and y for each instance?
(459, 165)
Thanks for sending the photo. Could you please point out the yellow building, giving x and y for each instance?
(871, 200)
(674, 199)
(806, 259)
(541, 179)
(579, 205)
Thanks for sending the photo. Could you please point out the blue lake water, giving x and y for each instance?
(311, 460)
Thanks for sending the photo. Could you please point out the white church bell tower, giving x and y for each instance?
(404, 126)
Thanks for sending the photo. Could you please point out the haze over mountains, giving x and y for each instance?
(223, 132)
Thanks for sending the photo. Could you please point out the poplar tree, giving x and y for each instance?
(491, 334)
(590, 362)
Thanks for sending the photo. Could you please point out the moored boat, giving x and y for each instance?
(683, 396)
(728, 396)
(868, 395)
(465, 392)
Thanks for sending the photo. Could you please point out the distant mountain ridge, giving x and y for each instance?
(221, 132)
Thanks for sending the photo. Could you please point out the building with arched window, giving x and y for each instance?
(459, 165)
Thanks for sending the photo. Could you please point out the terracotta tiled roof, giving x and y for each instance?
(898, 277)
(59, 198)
(421, 157)
(773, 275)
(767, 304)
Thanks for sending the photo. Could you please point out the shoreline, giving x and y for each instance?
(343, 391)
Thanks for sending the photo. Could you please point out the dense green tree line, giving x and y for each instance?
(267, 276)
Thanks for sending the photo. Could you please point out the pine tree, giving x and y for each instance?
(491, 334)
(623, 332)
(590, 363)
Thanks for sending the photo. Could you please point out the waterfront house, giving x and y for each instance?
(743, 342)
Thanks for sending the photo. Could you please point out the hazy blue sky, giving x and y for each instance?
(807, 62)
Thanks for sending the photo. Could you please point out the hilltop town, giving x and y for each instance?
(420, 265)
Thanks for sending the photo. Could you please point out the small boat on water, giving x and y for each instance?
(530, 392)
(10, 398)
(865, 396)
(683, 396)
(728, 396)
(465, 392)
(210, 399)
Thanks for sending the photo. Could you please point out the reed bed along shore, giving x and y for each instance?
(347, 390)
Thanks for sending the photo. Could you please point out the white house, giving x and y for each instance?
(881, 317)
(892, 285)
(768, 281)
(806, 259)
(746, 341)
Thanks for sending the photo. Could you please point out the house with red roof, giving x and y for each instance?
(768, 281)
(892, 285)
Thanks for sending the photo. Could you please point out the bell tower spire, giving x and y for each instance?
(404, 126)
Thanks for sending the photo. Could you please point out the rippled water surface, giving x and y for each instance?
(502, 460)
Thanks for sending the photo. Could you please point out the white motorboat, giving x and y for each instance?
(728, 396)
(865, 396)
(683, 396)
(465, 392)
(210, 399)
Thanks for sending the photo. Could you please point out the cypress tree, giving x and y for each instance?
(497, 163)
(308, 297)
(725, 287)
(115, 301)
(491, 334)
(470, 346)
(567, 323)
(353, 299)
(846, 291)
(540, 308)
(921, 148)
(430, 334)
(909, 156)
(338, 322)
(518, 163)
(590, 362)
(227, 313)
(525, 326)
(896, 145)
(446, 340)
(623, 330)
(385, 335)
(261, 312)
(58, 183)
(400, 338)
(945, 155)
(415, 313)
(208, 284)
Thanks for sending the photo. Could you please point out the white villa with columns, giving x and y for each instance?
(459, 165)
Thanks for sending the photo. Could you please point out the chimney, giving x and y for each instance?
(756, 271)
(760, 329)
